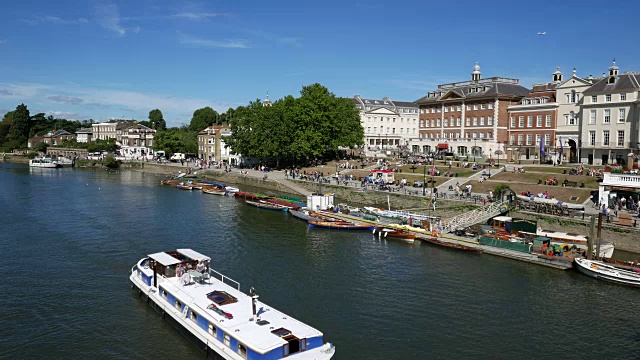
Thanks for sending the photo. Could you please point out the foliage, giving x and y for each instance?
(156, 118)
(32, 155)
(312, 126)
(41, 147)
(111, 162)
(500, 188)
(20, 126)
(5, 126)
(203, 118)
(176, 140)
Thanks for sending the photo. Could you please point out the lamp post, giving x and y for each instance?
(475, 148)
(424, 180)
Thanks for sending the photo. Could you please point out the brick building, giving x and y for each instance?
(469, 117)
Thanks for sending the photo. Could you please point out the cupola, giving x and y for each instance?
(557, 75)
(476, 74)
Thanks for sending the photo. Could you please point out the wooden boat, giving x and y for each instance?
(248, 195)
(214, 191)
(625, 265)
(266, 205)
(303, 215)
(183, 186)
(435, 241)
(231, 189)
(604, 271)
(171, 182)
(339, 225)
(288, 204)
(327, 218)
(394, 234)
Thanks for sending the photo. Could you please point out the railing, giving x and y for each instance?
(626, 180)
(613, 144)
(475, 216)
(222, 278)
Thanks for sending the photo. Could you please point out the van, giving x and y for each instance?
(177, 157)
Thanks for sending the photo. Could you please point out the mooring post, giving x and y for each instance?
(592, 234)
(599, 235)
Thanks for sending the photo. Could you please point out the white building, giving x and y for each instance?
(569, 96)
(84, 135)
(388, 125)
(610, 118)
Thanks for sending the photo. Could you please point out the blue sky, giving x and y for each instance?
(111, 59)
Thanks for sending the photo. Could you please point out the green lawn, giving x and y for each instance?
(533, 177)
(559, 192)
(419, 169)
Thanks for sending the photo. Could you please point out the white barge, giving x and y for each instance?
(228, 322)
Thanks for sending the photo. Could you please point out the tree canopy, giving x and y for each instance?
(156, 118)
(20, 126)
(314, 125)
(203, 118)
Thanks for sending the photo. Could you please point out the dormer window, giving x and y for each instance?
(612, 80)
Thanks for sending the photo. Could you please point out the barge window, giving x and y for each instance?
(178, 305)
(164, 293)
(227, 340)
(212, 330)
(242, 350)
(194, 316)
(303, 344)
(221, 297)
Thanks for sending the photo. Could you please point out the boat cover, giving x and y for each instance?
(164, 259)
(191, 254)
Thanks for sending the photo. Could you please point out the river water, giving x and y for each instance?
(68, 238)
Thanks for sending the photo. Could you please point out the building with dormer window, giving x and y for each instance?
(610, 116)
(388, 124)
(468, 117)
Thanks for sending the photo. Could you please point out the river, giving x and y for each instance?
(68, 238)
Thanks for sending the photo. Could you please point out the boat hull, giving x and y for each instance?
(339, 226)
(603, 271)
(267, 206)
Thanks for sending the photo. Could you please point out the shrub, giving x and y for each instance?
(111, 162)
(32, 155)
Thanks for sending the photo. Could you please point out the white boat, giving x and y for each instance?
(64, 162)
(604, 271)
(231, 189)
(225, 320)
(44, 163)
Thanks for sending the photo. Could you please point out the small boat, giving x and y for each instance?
(183, 186)
(288, 204)
(394, 234)
(211, 308)
(265, 205)
(231, 189)
(46, 163)
(450, 245)
(339, 225)
(248, 195)
(604, 271)
(213, 191)
(171, 182)
(303, 215)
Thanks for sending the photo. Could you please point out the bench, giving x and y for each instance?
(625, 220)
(568, 183)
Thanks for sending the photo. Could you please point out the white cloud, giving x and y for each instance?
(197, 16)
(108, 16)
(66, 99)
(54, 20)
(193, 41)
(64, 115)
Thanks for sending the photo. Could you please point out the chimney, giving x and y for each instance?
(254, 300)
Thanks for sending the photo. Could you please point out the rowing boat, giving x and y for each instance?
(266, 205)
(339, 225)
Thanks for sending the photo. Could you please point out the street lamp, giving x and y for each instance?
(475, 149)
(424, 180)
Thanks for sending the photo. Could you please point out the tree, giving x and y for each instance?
(155, 117)
(5, 127)
(203, 118)
(41, 147)
(20, 126)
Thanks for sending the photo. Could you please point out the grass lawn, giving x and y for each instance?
(532, 178)
(462, 172)
(556, 169)
(559, 192)
(410, 177)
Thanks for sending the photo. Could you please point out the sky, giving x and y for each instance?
(120, 59)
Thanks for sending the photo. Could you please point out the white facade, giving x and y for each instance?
(104, 131)
(610, 119)
(388, 125)
(569, 96)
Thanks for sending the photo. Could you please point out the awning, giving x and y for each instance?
(443, 146)
(164, 259)
(194, 255)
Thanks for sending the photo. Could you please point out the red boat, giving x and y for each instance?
(290, 205)
(394, 234)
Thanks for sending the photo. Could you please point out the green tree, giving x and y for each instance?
(155, 117)
(5, 127)
(20, 126)
(41, 146)
(202, 118)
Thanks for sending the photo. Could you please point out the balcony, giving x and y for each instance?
(613, 145)
(622, 180)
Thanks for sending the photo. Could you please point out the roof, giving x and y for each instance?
(193, 254)
(622, 82)
(470, 90)
(164, 259)
(85, 131)
(209, 130)
(388, 102)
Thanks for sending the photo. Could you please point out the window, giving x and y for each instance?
(607, 98)
(520, 139)
(481, 135)
(605, 138)
(621, 115)
(592, 137)
(483, 106)
(433, 123)
(242, 350)
(459, 108)
(475, 106)
(490, 105)
(458, 121)
(212, 330)
(445, 123)
(490, 120)
(422, 123)
(438, 110)
(521, 121)
(438, 123)
(475, 121)
(481, 120)
(468, 107)
(452, 108)
(178, 305)
(620, 138)
(512, 140)
(623, 97)
(468, 122)
(433, 110)
(539, 121)
(227, 340)
(538, 137)
(572, 118)
(568, 98)
(548, 121)
(574, 97)
(594, 98)
(490, 135)
(607, 116)
(446, 109)
(529, 121)
(547, 139)
(528, 139)
(592, 117)
(194, 316)
(513, 121)
(475, 135)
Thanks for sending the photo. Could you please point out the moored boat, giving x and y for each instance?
(604, 271)
(184, 186)
(212, 308)
(213, 191)
(46, 163)
(303, 215)
(339, 225)
(398, 234)
(265, 205)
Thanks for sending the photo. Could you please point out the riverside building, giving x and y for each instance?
(388, 125)
(610, 118)
(467, 118)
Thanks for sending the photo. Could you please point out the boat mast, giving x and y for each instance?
(599, 235)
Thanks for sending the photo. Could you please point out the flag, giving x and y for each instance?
(541, 147)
